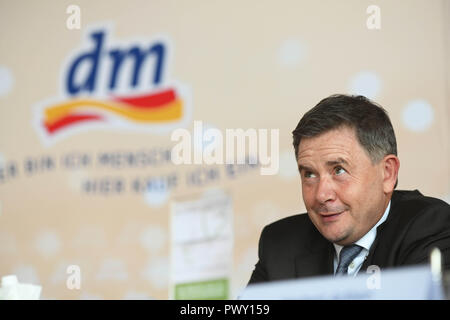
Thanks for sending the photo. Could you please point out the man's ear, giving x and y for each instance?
(390, 166)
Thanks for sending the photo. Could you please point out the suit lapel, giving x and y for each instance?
(318, 261)
(392, 212)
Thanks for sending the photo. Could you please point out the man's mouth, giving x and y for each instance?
(330, 216)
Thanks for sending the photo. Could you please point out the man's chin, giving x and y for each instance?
(340, 238)
(334, 232)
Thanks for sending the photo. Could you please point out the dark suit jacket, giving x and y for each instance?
(294, 248)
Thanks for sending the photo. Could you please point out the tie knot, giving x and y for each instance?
(346, 256)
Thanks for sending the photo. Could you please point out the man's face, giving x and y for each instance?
(342, 189)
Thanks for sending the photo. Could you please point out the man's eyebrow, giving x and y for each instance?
(303, 167)
(337, 162)
(330, 163)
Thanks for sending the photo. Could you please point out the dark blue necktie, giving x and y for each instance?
(348, 253)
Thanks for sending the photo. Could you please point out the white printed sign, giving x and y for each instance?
(201, 248)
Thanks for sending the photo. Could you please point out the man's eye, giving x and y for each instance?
(339, 170)
(309, 174)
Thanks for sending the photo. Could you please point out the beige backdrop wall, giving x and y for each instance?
(241, 64)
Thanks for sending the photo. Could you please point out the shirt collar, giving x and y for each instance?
(367, 240)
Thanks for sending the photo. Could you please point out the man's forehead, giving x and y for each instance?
(332, 147)
(329, 159)
(308, 164)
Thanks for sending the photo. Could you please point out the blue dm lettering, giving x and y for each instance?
(139, 56)
(118, 56)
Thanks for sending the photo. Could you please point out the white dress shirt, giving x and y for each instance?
(365, 242)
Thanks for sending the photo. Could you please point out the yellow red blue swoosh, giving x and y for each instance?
(158, 107)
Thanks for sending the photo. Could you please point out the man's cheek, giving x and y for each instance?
(308, 194)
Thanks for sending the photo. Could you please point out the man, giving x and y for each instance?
(347, 157)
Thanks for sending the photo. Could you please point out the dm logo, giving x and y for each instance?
(114, 86)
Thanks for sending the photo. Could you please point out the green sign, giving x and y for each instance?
(204, 290)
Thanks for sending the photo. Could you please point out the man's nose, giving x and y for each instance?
(325, 190)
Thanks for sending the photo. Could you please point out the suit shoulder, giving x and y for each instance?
(415, 224)
(288, 236)
(295, 226)
(413, 203)
(418, 215)
(291, 222)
